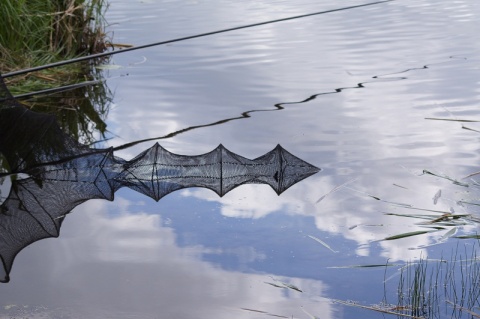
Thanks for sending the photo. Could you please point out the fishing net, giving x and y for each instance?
(51, 173)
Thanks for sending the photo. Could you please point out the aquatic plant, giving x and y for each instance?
(431, 288)
(440, 288)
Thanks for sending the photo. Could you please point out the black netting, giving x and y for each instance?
(156, 172)
(57, 173)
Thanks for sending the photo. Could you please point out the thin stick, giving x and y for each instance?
(376, 309)
(55, 90)
(103, 54)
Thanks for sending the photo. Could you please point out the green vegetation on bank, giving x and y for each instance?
(37, 32)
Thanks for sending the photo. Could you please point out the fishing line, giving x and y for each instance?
(103, 54)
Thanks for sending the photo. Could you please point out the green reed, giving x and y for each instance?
(441, 288)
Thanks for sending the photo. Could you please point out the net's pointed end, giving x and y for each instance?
(293, 170)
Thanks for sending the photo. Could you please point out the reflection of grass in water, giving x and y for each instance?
(81, 112)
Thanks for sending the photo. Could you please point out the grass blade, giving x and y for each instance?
(451, 120)
(445, 177)
(409, 234)
(363, 266)
(282, 284)
(471, 236)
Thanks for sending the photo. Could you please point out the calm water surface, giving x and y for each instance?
(356, 92)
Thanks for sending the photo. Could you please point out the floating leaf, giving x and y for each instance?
(254, 310)
(434, 227)
(282, 284)
(292, 287)
(409, 234)
(274, 285)
(322, 242)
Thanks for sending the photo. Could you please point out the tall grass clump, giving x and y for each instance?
(36, 32)
(441, 288)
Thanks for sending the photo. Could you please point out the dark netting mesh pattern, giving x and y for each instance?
(52, 173)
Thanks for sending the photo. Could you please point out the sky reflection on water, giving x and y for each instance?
(194, 254)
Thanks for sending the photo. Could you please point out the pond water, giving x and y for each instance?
(376, 96)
